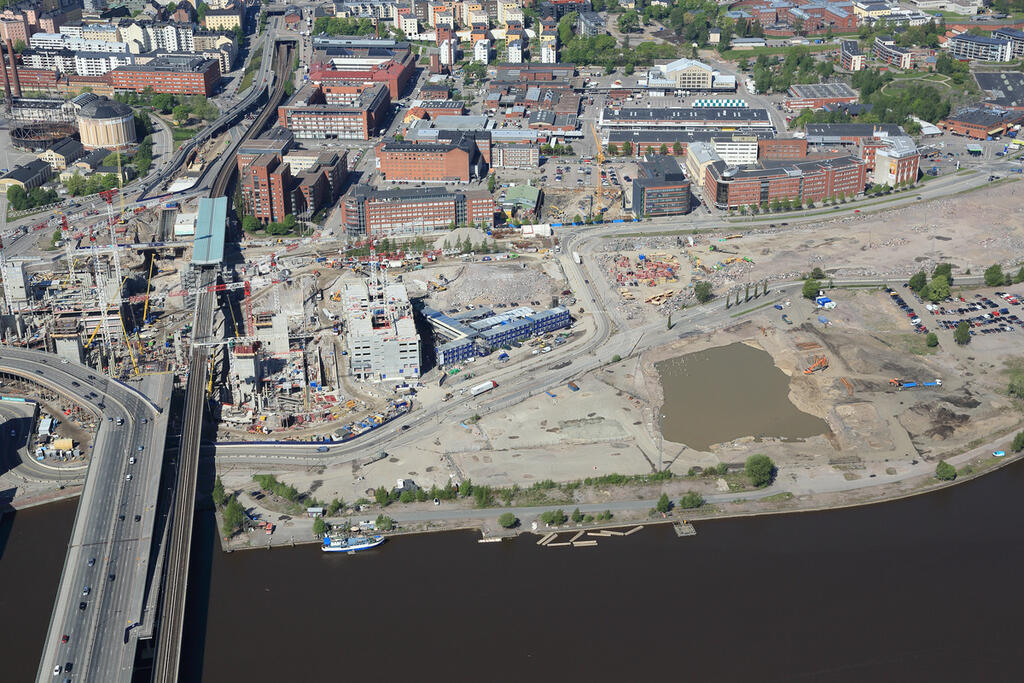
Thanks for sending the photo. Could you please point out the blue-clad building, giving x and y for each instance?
(465, 340)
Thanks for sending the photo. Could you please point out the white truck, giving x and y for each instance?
(483, 387)
(576, 258)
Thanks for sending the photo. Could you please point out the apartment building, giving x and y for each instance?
(353, 112)
(179, 75)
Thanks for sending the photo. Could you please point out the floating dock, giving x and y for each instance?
(546, 539)
(583, 544)
(684, 529)
(633, 530)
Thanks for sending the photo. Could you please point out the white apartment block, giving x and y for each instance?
(482, 51)
(515, 52)
(383, 345)
(549, 53)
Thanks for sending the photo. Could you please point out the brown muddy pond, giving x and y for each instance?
(729, 392)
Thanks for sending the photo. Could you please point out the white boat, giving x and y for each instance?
(350, 544)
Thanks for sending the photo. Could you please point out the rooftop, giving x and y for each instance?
(822, 90)
(652, 115)
(979, 40)
(1006, 88)
(211, 223)
(985, 116)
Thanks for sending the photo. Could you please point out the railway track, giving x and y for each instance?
(175, 586)
(228, 169)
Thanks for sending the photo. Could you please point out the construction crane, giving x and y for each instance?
(597, 143)
(820, 363)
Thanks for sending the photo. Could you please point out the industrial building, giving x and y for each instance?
(413, 211)
(692, 118)
(380, 332)
(107, 124)
(480, 331)
(981, 122)
(660, 188)
(818, 95)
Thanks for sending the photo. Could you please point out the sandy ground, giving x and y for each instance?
(971, 231)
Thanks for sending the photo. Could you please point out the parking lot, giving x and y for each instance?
(983, 314)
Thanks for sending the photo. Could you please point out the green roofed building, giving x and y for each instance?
(211, 225)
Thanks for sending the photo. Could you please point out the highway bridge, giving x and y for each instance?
(105, 579)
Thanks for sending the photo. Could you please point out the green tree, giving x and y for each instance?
(937, 289)
(663, 149)
(491, 182)
(181, 114)
(234, 515)
(20, 46)
(918, 281)
(962, 333)
(811, 288)
(577, 516)
(1018, 442)
(931, 340)
(381, 495)
(385, 523)
(691, 500)
(994, 275)
(702, 290)
(677, 149)
(629, 21)
(507, 520)
(817, 273)
(944, 471)
(17, 198)
(553, 517)
(760, 470)
(218, 494)
(319, 527)
(944, 269)
(335, 505)
(664, 504)
(1016, 386)
(613, 149)
(250, 224)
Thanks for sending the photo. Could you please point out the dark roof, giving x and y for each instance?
(102, 108)
(980, 40)
(94, 158)
(851, 47)
(68, 147)
(851, 130)
(658, 168)
(29, 171)
(668, 137)
(773, 169)
(984, 116)
(1006, 88)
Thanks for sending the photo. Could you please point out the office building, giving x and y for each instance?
(353, 112)
(732, 187)
(660, 188)
(413, 211)
(178, 75)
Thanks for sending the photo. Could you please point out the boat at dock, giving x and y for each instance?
(350, 544)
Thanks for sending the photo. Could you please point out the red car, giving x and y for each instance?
(64, 638)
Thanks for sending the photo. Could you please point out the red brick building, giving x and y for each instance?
(981, 122)
(817, 95)
(174, 74)
(458, 159)
(366, 212)
(810, 180)
(354, 112)
(782, 148)
(299, 184)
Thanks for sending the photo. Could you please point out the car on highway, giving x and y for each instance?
(64, 638)
(128, 477)
(82, 605)
(138, 518)
(86, 591)
(131, 460)
(56, 670)
(92, 561)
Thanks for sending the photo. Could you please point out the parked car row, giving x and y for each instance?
(915, 320)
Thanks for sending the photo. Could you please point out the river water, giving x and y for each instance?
(728, 392)
(920, 589)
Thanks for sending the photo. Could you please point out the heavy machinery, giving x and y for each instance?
(820, 363)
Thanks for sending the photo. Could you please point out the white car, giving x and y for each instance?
(128, 477)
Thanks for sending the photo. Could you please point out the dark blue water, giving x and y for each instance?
(918, 590)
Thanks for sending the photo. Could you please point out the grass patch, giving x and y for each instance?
(915, 344)
(778, 498)
(755, 308)
(250, 71)
(53, 241)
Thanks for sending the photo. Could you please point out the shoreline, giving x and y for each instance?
(483, 522)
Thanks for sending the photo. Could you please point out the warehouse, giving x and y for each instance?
(817, 95)
(479, 332)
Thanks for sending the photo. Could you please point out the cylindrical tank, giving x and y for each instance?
(106, 123)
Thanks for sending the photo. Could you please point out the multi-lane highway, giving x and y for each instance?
(104, 576)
